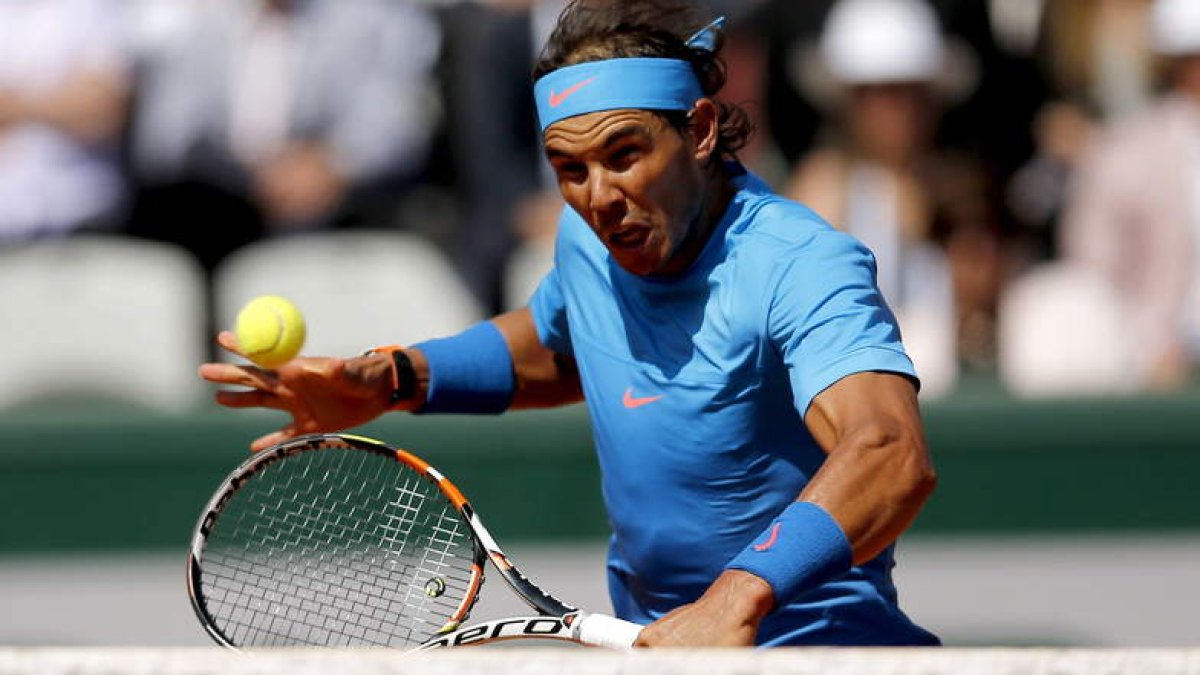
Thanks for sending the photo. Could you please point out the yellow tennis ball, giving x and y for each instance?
(270, 331)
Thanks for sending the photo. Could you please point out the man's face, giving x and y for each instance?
(891, 122)
(636, 180)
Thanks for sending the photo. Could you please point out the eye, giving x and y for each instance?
(623, 157)
(570, 171)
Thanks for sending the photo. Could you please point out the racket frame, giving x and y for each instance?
(556, 620)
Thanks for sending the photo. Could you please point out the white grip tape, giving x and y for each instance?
(599, 630)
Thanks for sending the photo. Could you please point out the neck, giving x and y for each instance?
(718, 193)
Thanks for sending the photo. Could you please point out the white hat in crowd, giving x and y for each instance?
(1175, 27)
(880, 42)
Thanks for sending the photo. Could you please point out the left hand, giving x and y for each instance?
(727, 615)
(321, 394)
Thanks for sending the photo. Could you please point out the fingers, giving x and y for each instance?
(224, 373)
(273, 438)
(245, 376)
(229, 342)
(263, 384)
(250, 399)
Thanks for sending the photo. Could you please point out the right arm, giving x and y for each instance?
(324, 394)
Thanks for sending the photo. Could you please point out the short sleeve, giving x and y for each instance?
(827, 318)
(549, 310)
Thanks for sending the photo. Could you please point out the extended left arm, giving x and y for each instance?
(873, 483)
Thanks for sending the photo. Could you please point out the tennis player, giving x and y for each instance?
(754, 412)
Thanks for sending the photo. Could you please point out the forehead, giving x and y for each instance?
(593, 130)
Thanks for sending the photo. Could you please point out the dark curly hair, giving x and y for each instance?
(594, 30)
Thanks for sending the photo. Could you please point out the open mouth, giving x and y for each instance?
(630, 237)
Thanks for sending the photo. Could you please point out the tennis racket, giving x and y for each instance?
(339, 540)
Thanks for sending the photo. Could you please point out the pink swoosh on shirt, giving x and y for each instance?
(630, 401)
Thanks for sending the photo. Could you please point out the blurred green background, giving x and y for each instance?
(121, 479)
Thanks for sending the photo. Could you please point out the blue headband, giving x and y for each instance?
(615, 84)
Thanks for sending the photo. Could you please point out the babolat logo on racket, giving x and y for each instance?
(522, 627)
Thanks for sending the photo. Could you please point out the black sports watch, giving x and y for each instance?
(404, 376)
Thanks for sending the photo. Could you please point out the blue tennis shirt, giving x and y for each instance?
(697, 385)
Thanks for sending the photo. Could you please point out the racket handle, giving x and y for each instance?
(599, 630)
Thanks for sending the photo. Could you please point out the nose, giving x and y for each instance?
(605, 199)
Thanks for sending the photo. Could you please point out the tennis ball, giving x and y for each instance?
(270, 331)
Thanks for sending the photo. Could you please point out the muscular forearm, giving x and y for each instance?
(873, 487)
(875, 479)
(865, 495)
(878, 473)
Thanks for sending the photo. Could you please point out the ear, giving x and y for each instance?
(704, 129)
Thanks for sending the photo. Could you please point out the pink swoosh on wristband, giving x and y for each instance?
(770, 540)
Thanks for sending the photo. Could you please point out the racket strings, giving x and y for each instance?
(336, 546)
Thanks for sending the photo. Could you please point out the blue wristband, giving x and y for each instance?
(471, 372)
(802, 548)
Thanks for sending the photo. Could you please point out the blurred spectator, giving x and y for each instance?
(789, 119)
(497, 153)
(63, 88)
(1095, 53)
(1135, 213)
(272, 116)
(1037, 192)
(990, 123)
(993, 123)
(1097, 65)
(883, 70)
